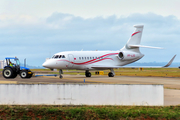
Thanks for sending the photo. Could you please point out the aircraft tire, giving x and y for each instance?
(88, 74)
(60, 76)
(8, 73)
(110, 74)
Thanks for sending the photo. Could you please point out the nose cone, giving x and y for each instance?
(44, 64)
(47, 64)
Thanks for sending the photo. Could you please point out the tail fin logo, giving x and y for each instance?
(135, 33)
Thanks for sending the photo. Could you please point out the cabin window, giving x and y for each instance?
(92, 57)
(88, 58)
(82, 58)
(96, 57)
(79, 58)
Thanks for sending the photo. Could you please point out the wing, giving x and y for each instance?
(111, 67)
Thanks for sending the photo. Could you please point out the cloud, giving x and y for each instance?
(38, 38)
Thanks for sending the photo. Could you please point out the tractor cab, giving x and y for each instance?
(13, 63)
(13, 68)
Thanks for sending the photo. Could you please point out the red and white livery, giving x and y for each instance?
(100, 60)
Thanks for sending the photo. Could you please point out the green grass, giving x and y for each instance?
(157, 72)
(89, 112)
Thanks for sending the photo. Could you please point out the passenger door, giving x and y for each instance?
(71, 60)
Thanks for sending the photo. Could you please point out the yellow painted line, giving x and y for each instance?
(8, 82)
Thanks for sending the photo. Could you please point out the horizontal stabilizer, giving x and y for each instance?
(137, 46)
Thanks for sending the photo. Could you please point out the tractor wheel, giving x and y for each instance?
(8, 73)
(24, 74)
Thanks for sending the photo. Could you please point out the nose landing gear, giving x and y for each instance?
(60, 72)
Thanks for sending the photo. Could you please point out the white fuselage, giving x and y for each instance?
(100, 60)
(89, 60)
(86, 60)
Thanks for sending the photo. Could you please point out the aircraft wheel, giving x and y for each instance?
(60, 76)
(110, 74)
(24, 74)
(88, 74)
(8, 73)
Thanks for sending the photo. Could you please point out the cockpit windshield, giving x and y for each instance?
(58, 56)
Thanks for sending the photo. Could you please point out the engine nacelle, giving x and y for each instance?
(128, 55)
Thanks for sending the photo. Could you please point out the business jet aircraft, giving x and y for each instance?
(100, 60)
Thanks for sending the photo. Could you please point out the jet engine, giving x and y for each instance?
(126, 55)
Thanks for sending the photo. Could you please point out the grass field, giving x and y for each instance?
(97, 112)
(158, 72)
(89, 112)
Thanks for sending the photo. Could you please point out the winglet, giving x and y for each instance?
(169, 63)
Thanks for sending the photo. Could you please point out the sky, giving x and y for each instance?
(37, 29)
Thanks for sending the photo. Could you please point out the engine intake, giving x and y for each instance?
(121, 55)
(128, 55)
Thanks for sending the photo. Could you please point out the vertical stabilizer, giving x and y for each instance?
(135, 38)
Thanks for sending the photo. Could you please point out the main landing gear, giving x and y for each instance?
(60, 72)
(87, 73)
(112, 73)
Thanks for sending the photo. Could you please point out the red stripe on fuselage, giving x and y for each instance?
(92, 61)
